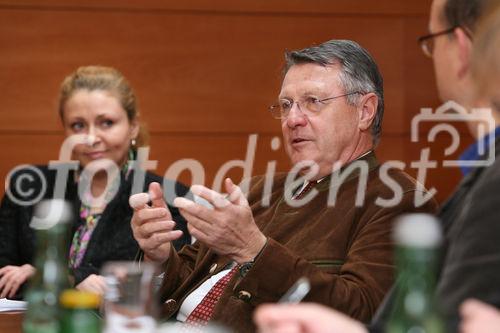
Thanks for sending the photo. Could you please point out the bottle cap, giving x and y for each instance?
(76, 299)
(418, 230)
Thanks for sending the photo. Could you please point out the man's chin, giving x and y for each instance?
(304, 165)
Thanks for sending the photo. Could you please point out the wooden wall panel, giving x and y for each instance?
(218, 75)
(204, 73)
(217, 151)
(358, 7)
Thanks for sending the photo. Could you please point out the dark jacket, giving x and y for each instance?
(112, 239)
(471, 253)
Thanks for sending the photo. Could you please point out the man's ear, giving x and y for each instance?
(464, 51)
(367, 110)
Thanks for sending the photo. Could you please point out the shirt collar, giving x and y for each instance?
(306, 182)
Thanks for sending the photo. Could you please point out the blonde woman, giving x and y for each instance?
(97, 105)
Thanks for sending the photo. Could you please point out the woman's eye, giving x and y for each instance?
(107, 123)
(77, 127)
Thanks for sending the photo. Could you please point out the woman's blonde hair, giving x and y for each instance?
(107, 79)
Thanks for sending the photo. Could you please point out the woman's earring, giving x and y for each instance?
(131, 150)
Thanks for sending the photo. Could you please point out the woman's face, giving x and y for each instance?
(99, 116)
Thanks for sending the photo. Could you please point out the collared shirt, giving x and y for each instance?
(197, 295)
(473, 153)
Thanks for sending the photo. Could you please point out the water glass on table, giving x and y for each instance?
(129, 300)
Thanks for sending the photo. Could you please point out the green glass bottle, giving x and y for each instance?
(80, 312)
(417, 238)
(52, 277)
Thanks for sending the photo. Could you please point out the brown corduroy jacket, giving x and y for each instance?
(345, 250)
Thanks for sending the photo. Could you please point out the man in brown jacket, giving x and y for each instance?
(331, 225)
(463, 57)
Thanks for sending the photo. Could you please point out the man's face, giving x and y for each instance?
(443, 57)
(329, 136)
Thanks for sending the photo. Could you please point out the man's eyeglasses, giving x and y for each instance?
(309, 106)
(427, 42)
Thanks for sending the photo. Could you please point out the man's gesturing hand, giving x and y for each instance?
(229, 228)
(153, 226)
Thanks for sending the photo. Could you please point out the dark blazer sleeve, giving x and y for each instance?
(472, 263)
(10, 233)
(16, 236)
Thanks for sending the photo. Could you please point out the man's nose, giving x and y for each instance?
(296, 117)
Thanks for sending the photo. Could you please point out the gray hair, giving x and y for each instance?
(359, 72)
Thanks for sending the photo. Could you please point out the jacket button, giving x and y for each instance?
(244, 295)
(171, 304)
(213, 268)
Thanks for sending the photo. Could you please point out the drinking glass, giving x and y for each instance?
(129, 302)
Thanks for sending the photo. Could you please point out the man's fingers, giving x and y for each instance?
(158, 239)
(161, 213)
(148, 229)
(196, 222)
(471, 307)
(198, 234)
(288, 312)
(139, 200)
(216, 199)
(236, 195)
(194, 209)
(156, 195)
(268, 313)
(269, 319)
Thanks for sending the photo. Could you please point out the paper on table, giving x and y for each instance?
(8, 305)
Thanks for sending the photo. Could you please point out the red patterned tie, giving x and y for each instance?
(204, 311)
(306, 189)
